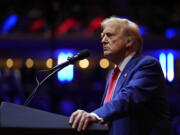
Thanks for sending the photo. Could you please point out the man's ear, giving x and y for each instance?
(129, 42)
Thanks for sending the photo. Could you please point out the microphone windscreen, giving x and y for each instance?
(83, 54)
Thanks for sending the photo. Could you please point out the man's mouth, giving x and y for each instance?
(105, 48)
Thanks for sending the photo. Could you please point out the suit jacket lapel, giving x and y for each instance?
(125, 72)
(122, 77)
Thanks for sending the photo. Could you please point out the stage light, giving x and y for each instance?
(9, 63)
(172, 32)
(104, 63)
(84, 63)
(37, 25)
(9, 23)
(29, 63)
(67, 73)
(162, 60)
(66, 25)
(170, 67)
(143, 30)
(49, 63)
(94, 25)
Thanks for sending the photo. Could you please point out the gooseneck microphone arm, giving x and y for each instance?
(83, 54)
(39, 84)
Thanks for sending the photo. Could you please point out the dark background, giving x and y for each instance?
(43, 27)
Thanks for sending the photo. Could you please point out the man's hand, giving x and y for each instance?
(80, 119)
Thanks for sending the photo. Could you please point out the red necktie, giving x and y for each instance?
(112, 84)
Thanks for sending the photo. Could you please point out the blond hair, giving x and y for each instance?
(127, 28)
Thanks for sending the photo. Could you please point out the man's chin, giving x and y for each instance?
(107, 55)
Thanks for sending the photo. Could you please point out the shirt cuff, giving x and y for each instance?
(100, 120)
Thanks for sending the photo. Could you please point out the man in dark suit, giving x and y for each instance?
(135, 101)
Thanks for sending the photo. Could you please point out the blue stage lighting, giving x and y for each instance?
(124, 17)
(67, 106)
(170, 67)
(143, 30)
(9, 23)
(171, 32)
(162, 60)
(67, 73)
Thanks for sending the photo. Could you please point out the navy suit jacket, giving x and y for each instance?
(139, 105)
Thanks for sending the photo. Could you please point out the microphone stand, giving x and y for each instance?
(53, 71)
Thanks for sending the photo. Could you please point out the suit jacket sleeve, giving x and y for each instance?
(140, 87)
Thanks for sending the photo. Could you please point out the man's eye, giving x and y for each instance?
(109, 34)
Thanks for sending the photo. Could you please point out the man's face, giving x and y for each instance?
(113, 42)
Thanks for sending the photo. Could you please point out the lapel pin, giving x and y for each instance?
(125, 74)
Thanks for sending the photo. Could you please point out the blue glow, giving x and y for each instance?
(156, 53)
(124, 17)
(67, 73)
(143, 30)
(9, 23)
(17, 101)
(67, 106)
(171, 32)
(170, 67)
(162, 60)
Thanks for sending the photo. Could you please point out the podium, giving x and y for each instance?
(21, 120)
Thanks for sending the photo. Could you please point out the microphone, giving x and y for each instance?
(79, 56)
(70, 60)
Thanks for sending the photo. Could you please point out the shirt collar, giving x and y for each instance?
(125, 61)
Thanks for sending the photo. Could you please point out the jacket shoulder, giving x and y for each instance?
(146, 60)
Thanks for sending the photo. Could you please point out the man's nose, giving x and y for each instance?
(104, 40)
